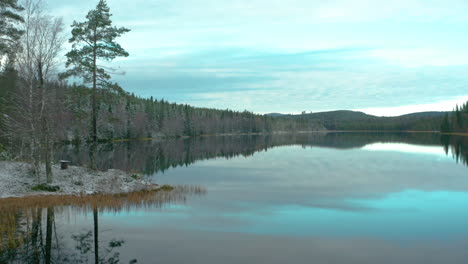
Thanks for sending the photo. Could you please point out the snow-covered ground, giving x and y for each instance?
(16, 180)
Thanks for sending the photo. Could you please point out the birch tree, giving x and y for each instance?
(36, 63)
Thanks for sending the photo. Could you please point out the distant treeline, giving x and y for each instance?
(122, 115)
(457, 121)
(358, 121)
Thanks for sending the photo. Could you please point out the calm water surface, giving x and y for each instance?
(310, 198)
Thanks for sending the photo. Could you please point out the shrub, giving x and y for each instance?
(45, 188)
(136, 176)
(78, 183)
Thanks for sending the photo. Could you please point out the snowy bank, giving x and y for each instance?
(16, 180)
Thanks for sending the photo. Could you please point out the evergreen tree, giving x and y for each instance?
(445, 127)
(9, 20)
(8, 82)
(459, 117)
(94, 40)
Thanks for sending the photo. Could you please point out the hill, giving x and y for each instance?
(354, 120)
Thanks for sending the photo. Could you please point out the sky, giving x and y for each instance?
(382, 57)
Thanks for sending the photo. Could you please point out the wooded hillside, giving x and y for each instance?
(122, 115)
(359, 121)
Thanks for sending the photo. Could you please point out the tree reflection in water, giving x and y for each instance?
(28, 232)
(154, 156)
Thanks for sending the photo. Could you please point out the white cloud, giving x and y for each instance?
(442, 105)
(259, 54)
(420, 57)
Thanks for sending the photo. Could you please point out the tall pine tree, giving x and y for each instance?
(93, 41)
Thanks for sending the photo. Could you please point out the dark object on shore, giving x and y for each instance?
(64, 164)
(45, 188)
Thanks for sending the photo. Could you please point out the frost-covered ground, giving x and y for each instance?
(16, 180)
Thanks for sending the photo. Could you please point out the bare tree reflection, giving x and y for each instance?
(28, 232)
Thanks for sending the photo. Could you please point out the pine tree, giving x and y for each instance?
(445, 127)
(94, 40)
(459, 117)
(9, 21)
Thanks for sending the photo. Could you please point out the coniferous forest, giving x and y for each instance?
(100, 168)
(40, 107)
(125, 116)
(457, 121)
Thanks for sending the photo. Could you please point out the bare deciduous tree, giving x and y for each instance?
(36, 64)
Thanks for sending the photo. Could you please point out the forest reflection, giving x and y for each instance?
(153, 156)
(28, 232)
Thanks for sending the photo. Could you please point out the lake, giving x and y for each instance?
(304, 198)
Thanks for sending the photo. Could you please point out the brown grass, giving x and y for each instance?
(114, 202)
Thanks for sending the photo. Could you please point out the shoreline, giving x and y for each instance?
(17, 181)
(218, 135)
(291, 132)
(163, 138)
(455, 134)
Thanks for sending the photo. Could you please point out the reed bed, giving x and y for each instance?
(113, 202)
(18, 214)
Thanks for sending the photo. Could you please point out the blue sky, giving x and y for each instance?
(382, 57)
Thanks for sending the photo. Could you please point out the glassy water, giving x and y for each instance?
(307, 198)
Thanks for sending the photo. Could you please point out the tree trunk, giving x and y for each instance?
(36, 225)
(45, 131)
(94, 91)
(96, 235)
(48, 155)
(92, 156)
(48, 247)
(94, 110)
(34, 150)
(35, 156)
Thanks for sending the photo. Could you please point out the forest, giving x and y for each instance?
(45, 102)
(40, 107)
(358, 121)
(457, 121)
(125, 116)
(37, 99)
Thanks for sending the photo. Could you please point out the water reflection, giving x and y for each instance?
(29, 234)
(324, 198)
(458, 146)
(150, 157)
